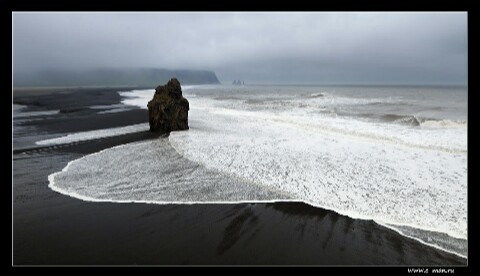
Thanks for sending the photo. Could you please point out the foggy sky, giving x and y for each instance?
(325, 48)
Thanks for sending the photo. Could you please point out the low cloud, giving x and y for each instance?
(365, 48)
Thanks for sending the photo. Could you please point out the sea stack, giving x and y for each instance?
(168, 110)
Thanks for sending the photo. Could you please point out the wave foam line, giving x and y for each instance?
(354, 215)
(443, 123)
(76, 195)
(34, 113)
(177, 180)
(328, 127)
(391, 227)
(94, 134)
(369, 178)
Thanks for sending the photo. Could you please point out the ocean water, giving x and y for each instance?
(395, 155)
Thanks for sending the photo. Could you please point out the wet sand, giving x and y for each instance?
(52, 229)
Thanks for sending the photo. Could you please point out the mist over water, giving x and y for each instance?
(397, 155)
(258, 47)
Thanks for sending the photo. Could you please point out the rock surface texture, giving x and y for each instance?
(168, 110)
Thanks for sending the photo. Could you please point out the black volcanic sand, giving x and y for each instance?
(50, 228)
(74, 112)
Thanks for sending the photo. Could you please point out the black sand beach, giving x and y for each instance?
(53, 229)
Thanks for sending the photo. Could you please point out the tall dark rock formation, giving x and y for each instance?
(168, 110)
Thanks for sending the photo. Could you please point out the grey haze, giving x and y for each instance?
(311, 47)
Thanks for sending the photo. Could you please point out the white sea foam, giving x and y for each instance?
(111, 108)
(94, 134)
(444, 124)
(141, 98)
(151, 172)
(34, 113)
(114, 110)
(315, 95)
(18, 107)
(188, 87)
(437, 240)
(138, 98)
(401, 176)
(358, 173)
(107, 106)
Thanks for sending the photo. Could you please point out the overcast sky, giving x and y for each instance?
(325, 48)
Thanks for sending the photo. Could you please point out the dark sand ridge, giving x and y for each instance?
(50, 228)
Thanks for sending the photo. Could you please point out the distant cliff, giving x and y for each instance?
(112, 77)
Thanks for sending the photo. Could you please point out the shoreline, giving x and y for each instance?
(317, 231)
(52, 186)
(85, 198)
